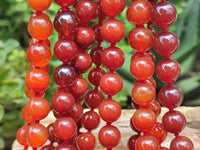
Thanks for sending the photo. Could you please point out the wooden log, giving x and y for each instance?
(192, 129)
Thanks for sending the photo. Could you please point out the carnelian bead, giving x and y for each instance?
(44, 42)
(20, 136)
(85, 37)
(139, 54)
(155, 106)
(94, 98)
(174, 121)
(168, 70)
(142, 68)
(95, 75)
(112, 7)
(37, 80)
(63, 102)
(96, 55)
(36, 135)
(65, 3)
(51, 134)
(38, 108)
(109, 110)
(140, 39)
(147, 143)
(133, 126)
(31, 94)
(109, 136)
(44, 68)
(113, 30)
(144, 119)
(86, 11)
(153, 56)
(143, 93)
(86, 141)
(97, 30)
(131, 142)
(65, 128)
(181, 143)
(40, 26)
(112, 58)
(111, 84)
(163, 14)
(26, 117)
(65, 23)
(38, 55)
(159, 132)
(77, 111)
(139, 12)
(38, 5)
(65, 50)
(150, 81)
(65, 146)
(90, 120)
(48, 147)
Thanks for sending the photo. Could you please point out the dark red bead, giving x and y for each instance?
(90, 120)
(86, 141)
(94, 98)
(181, 143)
(131, 142)
(65, 3)
(96, 55)
(95, 75)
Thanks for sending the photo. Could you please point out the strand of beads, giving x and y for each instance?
(112, 58)
(39, 55)
(168, 70)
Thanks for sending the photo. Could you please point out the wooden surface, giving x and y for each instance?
(192, 130)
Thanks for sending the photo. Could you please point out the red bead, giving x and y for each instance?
(150, 81)
(112, 31)
(95, 75)
(65, 128)
(86, 141)
(111, 84)
(131, 142)
(85, 37)
(44, 42)
(77, 111)
(48, 147)
(159, 132)
(97, 30)
(20, 136)
(163, 14)
(170, 96)
(109, 136)
(141, 54)
(30, 94)
(139, 12)
(112, 7)
(155, 107)
(86, 11)
(90, 120)
(153, 56)
(65, 3)
(181, 143)
(44, 68)
(94, 98)
(65, 50)
(39, 5)
(26, 117)
(63, 102)
(133, 127)
(140, 39)
(142, 68)
(36, 135)
(147, 143)
(143, 94)
(65, 146)
(174, 121)
(144, 119)
(37, 80)
(51, 133)
(65, 23)
(38, 108)
(110, 110)
(40, 26)
(96, 55)
(64, 75)
(112, 58)
(38, 55)
(166, 43)
(168, 70)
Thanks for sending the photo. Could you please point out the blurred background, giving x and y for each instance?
(14, 41)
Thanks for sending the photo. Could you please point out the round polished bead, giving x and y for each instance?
(51, 134)
(95, 75)
(44, 68)
(65, 3)
(149, 81)
(155, 106)
(94, 98)
(97, 30)
(133, 126)
(77, 111)
(139, 54)
(26, 117)
(181, 142)
(44, 42)
(48, 147)
(65, 146)
(39, 5)
(96, 55)
(30, 94)
(90, 120)
(131, 142)
(20, 136)
(86, 141)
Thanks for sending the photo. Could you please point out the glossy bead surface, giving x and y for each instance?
(77, 111)
(51, 134)
(48, 147)
(94, 98)
(97, 30)
(44, 42)
(110, 110)
(131, 142)
(96, 55)
(149, 81)
(181, 142)
(37, 80)
(139, 12)
(174, 121)
(143, 94)
(64, 75)
(112, 58)
(111, 84)
(26, 117)
(133, 126)
(90, 120)
(65, 50)
(112, 31)
(86, 141)
(95, 75)
(166, 43)
(44, 68)
(147, 143)
(40, 26)
(139, 54)
(20, 136)
(168, 70)
(170, 96)
(65, 146)
(38, 55)
(163, 14)
(39, 5)
(65, 128)
(30, 94)
(112, 7)
(155, 107)
(65, 3)
(140, 39)
(142, 68)
(144, 119)
(109, 136)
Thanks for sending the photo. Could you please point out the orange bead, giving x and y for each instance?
(44, 68)
(155, 106)
(30, 94)
(26, 117)
(44, 42)
(21, 136)
(39, 5)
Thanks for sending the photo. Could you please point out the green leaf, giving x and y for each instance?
(1, 112)
(10, 45)
(2, 143)
(2, 57)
